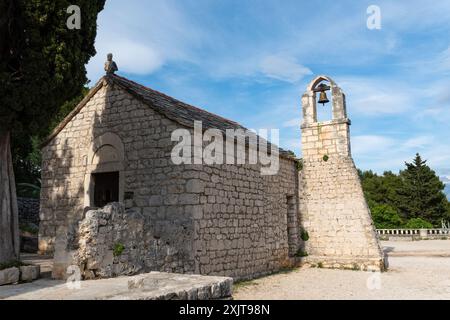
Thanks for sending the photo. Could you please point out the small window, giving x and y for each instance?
(106, 188)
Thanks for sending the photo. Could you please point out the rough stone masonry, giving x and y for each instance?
(226, 220)
(205, 219)
(332, 205)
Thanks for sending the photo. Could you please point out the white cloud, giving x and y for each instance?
(437, 107)
(378, 96)
(143, 36)
(397, 71)
(414, 15)
(371, 144)
(418, 142)
(445, 59)
(381, 153)
(293, 123)
(283, 68)
(131, 57)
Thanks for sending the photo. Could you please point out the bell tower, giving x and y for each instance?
(333, 209)
(329, 138)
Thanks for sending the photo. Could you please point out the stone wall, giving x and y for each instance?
(330, 138)
(215, 220)
(111, 243)
(147, 176)
(242, 231)
(336, 216)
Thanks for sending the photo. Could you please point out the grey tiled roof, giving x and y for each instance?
(171, 108)
(174, 109)
(178, 111)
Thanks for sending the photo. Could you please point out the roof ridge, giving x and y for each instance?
(176, 100)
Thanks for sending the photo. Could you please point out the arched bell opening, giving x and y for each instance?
(323, 101)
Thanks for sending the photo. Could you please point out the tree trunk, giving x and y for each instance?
(9, 218)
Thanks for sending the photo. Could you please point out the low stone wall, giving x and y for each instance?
(22, 274)
(413, 234)
(111, 243)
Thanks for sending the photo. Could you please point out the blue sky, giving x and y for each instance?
(251, 60)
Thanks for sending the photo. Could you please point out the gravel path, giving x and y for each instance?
(417, 270)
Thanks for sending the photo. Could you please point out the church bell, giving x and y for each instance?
(323, 94)
(323, 98)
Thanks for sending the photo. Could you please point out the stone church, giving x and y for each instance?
(114, 203)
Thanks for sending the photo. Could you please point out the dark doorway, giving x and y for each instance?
(106, 188)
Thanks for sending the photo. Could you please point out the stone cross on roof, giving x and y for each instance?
(110, 65)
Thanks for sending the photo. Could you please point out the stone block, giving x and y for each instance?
(29, 273)
(9, 276)
(189, 199)
(195, 186)
(155, 201)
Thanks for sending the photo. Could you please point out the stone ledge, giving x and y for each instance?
(150, 286)
(325, 123)
(353, 263)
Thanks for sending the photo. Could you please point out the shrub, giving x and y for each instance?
(418, 223)
(304, 235)
(299, 165)
(386, 217)
(300, 253)
(326, 158)
(118, 249)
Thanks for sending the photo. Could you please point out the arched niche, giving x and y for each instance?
(309, 100)
(106, 156)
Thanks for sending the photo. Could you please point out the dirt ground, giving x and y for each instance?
(417, 270)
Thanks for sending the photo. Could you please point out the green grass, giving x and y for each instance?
(244, 284)
(250, 283)
(287, 270)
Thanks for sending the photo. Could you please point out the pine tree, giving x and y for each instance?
(421, 193)
(381, 190)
